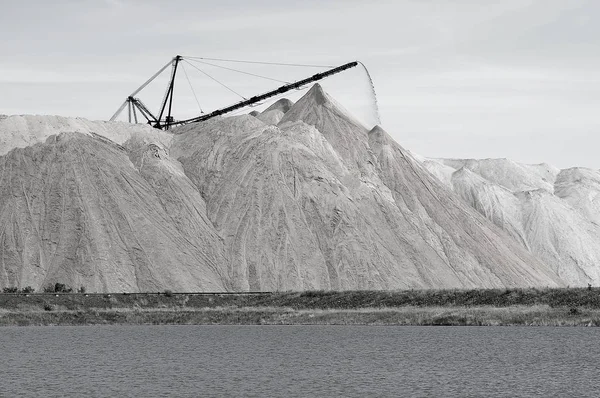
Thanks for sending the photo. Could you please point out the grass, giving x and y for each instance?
(485, 307)
(419, 316)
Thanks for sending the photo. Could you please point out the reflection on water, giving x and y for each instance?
(144, 361)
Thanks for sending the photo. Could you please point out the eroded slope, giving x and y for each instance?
(553, 213)
(76, 210)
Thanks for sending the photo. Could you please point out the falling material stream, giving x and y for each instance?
(374, 95)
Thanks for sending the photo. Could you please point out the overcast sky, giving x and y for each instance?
(465, 78)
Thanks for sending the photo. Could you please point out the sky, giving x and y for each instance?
(517, 79)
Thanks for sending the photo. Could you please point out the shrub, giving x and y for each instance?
(27, 289)
(81, 289)
(168, 293)
(62, 288)
(48, 307)
(10, 290)
(57, 288)
(574, 311)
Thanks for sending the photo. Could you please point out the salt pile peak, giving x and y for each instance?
(509, 174)
(274, 113)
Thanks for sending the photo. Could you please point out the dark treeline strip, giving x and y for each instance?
(568, 297)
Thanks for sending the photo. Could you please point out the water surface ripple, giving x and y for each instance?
(257, 361)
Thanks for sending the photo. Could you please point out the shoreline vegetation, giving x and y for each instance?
(482, 307)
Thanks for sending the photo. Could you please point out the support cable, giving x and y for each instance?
(206, 74)
(192, 87)
(262, 63)
(241, 71)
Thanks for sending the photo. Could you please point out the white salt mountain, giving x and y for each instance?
(553, 213)
(305, 205)
(314, 202)
(20, 131)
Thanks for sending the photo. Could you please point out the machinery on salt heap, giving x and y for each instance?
(164, 120)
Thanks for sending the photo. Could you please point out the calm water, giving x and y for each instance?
(151, 361)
